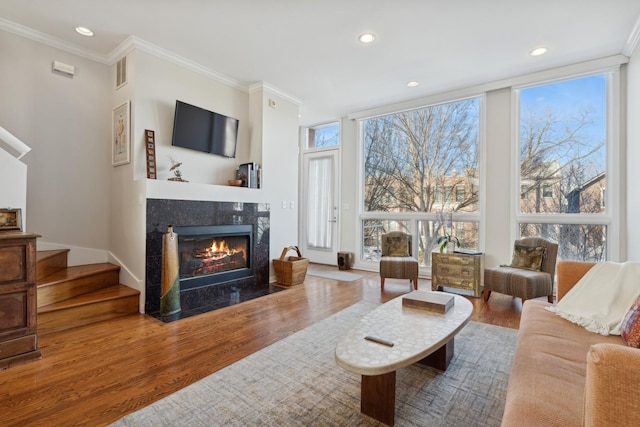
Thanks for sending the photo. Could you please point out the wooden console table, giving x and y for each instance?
(18, 306)
(456, 270)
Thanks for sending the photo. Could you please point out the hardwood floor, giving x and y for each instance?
(96, 374)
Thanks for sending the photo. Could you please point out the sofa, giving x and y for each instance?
(564, 375)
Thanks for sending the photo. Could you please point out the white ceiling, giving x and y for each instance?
(308, 49)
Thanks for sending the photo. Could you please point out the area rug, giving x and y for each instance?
(296, 382)
(333, 273)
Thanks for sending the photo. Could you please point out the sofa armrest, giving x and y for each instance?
(569, 272)
(612, 386)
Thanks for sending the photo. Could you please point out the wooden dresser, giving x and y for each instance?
(455, 270)
(18, 306)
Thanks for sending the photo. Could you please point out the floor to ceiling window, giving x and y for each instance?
(563, 174)
(420, 175)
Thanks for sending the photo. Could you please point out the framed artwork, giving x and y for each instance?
(10, 219)
(120, 140)
(150, 140)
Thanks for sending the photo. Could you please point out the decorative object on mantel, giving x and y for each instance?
(170, 296)
(177, 175)
(250, 174)
(120, 135)
(10, 219)
(234, 182)
(150, 139)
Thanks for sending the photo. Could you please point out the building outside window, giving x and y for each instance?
(411, 169)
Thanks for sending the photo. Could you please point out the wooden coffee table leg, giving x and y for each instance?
(378, 397)
(440, 358)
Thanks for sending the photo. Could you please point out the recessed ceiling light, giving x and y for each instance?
(538, 51)
(413, 84)
(366, 38)
(84, 31)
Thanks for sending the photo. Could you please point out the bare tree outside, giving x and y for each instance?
(422, 161)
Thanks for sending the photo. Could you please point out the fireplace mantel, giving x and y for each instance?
(173, 190)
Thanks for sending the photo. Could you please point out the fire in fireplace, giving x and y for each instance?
(214, 254)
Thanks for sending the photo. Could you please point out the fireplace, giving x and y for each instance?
(230, 276)
(214, 254)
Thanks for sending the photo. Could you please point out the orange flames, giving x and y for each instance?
(220, 247)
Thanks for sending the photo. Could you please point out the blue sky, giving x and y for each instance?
(568, 98)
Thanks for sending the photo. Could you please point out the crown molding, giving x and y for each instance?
(633, 40)
(162, 53)
(256, 87)
(20, 30)
(132, 43)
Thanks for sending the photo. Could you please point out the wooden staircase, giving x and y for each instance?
(69, 297)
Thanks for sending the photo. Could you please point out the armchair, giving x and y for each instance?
(525, 282)
(397, 261)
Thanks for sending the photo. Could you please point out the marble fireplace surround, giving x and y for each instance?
(186, 213)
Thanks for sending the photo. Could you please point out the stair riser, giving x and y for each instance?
(85, 315)
(52, 264)
(63, 291)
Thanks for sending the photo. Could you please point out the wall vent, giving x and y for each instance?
(121, 73)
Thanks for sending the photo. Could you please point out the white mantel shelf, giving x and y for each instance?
(174, 190)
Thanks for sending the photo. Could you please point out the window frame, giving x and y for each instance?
(439, 193)
(610, 218)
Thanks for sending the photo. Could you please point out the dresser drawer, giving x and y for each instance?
(455, 270)
(457, 282)
(456, 259)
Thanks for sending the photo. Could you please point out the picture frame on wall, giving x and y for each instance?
(10, 220)
(150, 139)
(120, 138)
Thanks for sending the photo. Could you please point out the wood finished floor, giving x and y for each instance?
(96, 374)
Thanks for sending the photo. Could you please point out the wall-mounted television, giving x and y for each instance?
(203, 130)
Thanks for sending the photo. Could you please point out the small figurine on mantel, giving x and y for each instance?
(177, 175)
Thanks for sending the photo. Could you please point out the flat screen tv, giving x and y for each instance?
(203, 130)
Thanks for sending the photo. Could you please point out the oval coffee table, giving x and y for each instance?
(417, 335)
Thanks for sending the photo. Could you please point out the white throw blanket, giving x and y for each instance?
(601, 299)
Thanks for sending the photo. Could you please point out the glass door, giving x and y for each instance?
(320, 198)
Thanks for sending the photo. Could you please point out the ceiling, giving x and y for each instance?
(308, 49)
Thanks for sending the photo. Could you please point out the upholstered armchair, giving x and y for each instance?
(397, 261)
(530, 274)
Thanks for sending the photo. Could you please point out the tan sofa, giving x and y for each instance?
(563, 375)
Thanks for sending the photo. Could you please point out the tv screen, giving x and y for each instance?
(203, 130)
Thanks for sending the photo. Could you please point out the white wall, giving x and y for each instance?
(66, 123)
(633, 156)
(497, 188)
(78, 200)
(266, 135)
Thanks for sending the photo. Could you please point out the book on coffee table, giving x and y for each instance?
(432, 301)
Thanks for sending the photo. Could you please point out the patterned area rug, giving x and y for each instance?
(296, 382)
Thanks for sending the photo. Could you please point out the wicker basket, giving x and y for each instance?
(291, 270)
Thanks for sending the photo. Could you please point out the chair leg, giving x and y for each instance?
(485, 294)
(415, 284)
(550, 299)
(382, 283)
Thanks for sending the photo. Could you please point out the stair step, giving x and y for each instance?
(96, 306)
(74, 281)
(49, 262)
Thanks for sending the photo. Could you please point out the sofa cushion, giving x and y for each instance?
(631, 326)
(546, 385)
